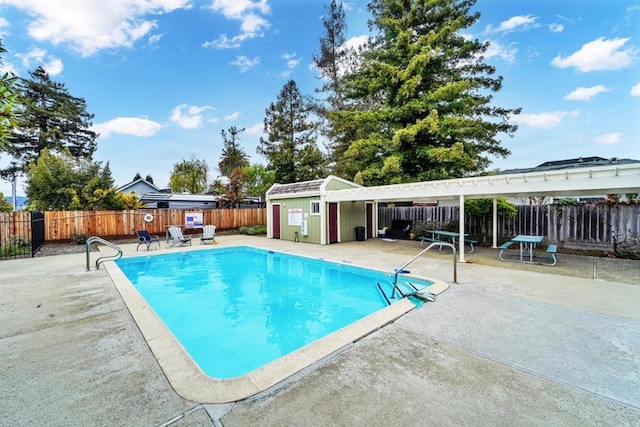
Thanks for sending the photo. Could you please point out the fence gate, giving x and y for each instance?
(21, 234)
(37, 231)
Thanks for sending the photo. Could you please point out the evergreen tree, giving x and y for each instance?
(149, 179)
(420, 103)
(233, 157)
(136, 177)
(330, 61)
(50, 118)
(290, 147)
(8, 99)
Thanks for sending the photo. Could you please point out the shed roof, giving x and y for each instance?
(296, 187)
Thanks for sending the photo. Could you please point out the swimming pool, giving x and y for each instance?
(239, 308)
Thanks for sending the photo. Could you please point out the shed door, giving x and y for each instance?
(369, 220)
(275, 215)
(333, 223)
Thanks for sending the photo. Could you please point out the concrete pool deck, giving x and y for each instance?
(519, 345)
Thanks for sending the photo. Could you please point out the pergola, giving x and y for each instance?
(597, 180)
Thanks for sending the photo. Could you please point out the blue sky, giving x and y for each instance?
(164, 77)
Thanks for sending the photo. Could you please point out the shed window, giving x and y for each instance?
(315, 208)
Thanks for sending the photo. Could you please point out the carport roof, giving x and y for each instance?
(609, 179)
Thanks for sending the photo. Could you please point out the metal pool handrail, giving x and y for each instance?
(438, 244)
(102, 259)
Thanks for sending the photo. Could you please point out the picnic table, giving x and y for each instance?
(436, 236)
(528, 245)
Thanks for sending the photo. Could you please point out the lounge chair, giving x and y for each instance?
(177, 236)
(208, 234)
(144, 238)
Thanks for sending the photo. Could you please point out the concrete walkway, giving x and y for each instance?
(503, 346)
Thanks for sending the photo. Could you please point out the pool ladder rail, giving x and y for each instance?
(102, 259)
(426, 296)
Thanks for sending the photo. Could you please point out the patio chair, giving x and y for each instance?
(208, 234)
(177, 236)
(144, 238)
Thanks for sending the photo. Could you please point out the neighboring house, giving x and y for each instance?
(162, 200)
(139, 186)
(298, 212)
(568, 164)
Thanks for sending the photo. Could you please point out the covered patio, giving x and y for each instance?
(588, 181)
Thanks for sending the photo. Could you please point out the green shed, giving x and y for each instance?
(300, 212)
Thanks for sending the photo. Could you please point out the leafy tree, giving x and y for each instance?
(189, 176)
(259, 180)
(5, 206)
(8, 99)
(60, 181)
(51, 118)
(420, 102)
(108, 199)
(482, 210)
(290, 147)
(233, 157)
(234, 193)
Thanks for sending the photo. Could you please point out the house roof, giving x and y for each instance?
(581, 162)
(178, 197)
(315, 187)
(133, 183)
(296, 187)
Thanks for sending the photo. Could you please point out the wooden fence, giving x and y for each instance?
(62, 225)
(592, 224)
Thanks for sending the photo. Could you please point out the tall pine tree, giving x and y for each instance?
(50, 118)
(290, 147)
(233, 156)
(420, 103)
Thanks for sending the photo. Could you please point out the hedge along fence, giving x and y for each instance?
(589, 224)
(62, 225)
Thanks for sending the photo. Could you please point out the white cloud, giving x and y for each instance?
(556, 28)
(232, 116)
(635, 90)
(88, 26)
(513, 23)
(609, 138)
(292, 60)
(257, 129)
(127, 126)
(248, 13)
(356, 42)
(39, 57)
(506, 53)
(187, 117)
(154, 39)
(600, 54)
(586, 93)
(544, 120)
(245, 63)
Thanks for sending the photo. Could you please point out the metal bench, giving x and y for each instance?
(552, 249)
(503, 247)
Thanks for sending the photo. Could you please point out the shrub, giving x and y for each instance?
(253, 230)
(79, 238)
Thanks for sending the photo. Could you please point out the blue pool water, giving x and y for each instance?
(237, 309)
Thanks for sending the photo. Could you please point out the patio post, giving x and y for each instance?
(494, 224)
(461, 239)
